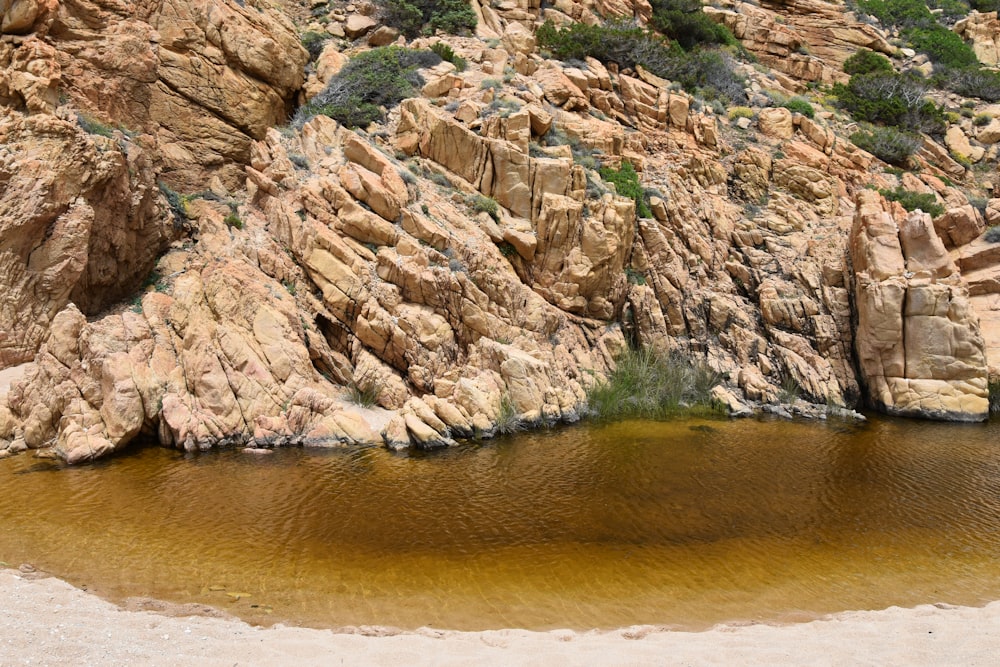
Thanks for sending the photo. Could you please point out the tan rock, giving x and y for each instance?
(958, 143)
(776, 122)
(358, 25)
(918, 341)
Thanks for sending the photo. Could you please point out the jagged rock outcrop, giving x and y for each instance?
(463, 264)
(204, 77)
(81, 220)
(982, 31)
(806, 40)
(918, 342)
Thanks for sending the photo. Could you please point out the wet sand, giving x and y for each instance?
(46, 621)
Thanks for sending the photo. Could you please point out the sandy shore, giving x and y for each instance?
(48, 622)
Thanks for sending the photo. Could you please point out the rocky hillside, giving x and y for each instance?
(264, 224)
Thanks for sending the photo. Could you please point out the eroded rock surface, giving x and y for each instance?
(918, 341)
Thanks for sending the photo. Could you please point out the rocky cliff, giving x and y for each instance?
(181, 264)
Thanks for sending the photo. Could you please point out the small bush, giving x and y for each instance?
(648, 384)
(487, 205)
(685, 22)
(800, 105)
(866, 61)
(970, 82)
(447, 53)
(314, 43)
(911, 201)
(982, 119)
(383, 76)
(892, 99)
(994, 389)
(626, 182)
(703, 71)
(364, 390)
(992, 234)
(413, 17)
(888, 144)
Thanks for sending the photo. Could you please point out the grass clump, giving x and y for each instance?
(911, 200)
(651, 385)
(91, 125)
(416, 17)
(626, 182)
(992, 234)
(380, 77)
(364, 390)
(508, 418)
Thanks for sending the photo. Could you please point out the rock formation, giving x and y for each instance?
(918, 342)
(178, 269)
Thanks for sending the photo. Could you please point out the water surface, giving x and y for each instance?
(686, 523)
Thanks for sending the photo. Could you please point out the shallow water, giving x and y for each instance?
(687, 524)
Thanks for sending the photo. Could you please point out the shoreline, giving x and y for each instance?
(47, 620)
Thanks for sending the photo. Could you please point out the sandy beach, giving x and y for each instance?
(45, 621)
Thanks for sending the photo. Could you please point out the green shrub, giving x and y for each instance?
(866, 61)
(314, 43)
(413, 17)
(703, 71)
(888, 144)
(920, 26)
(648, 384)
(800, 105)
(911, 200)
(508, 419)
(942, 46)
(684, 22)
(627, 184)
(994, 389)
(487, 205)
(992, 234)
(380, 77)
(891, 99)
(970, 82)
(982, 119)
(447, 53)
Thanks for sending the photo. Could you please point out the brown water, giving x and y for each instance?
(687, 523)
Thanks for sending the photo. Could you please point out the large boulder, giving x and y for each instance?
(918, 341)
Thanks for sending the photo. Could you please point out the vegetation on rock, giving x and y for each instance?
(706, 72)
(626, 182)
(651, 385)
(415, 17)
(912, 201)
(382, 76)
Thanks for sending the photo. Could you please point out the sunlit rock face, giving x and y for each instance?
(918, 342)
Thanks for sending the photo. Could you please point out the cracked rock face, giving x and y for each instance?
(918, 341)
(80, 221)
(204, 77)
(461, 265)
